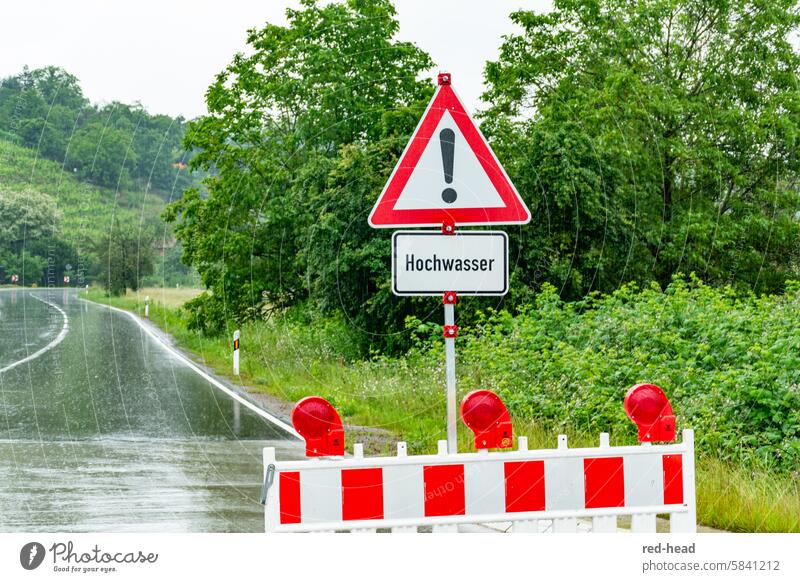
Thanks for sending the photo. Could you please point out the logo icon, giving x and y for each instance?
(31, 555)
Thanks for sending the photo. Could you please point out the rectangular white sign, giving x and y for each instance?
(430, 263)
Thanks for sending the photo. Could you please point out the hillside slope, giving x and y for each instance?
(84, 213)
(87, 211)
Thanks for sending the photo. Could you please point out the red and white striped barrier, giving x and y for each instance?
(561, 486)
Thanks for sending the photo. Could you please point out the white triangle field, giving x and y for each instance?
(427, 181)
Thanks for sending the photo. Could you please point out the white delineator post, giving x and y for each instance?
(450, 332)
(147, 307)
(236, 352)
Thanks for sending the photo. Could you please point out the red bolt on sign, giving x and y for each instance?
(450, 331)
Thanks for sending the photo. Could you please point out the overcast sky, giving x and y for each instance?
(165, 54)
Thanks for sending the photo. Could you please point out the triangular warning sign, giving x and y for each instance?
(448, 174)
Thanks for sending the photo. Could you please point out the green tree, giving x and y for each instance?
(102, 155)
(29, 268)
(27, 215)
(279, 118)
(125, 255)
(57, 255)
(116, 144)
(651, 137)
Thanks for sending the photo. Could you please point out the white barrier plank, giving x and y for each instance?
(484, 488)
(644, 480)
(564, 478)
(403, 492)
(317, 507)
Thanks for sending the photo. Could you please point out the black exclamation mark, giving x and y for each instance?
(447, 139)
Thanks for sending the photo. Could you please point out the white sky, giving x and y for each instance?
(164, 54)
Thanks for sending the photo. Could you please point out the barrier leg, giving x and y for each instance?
(565, 525)
(526, 526)
(604, 524)
(271, 507)
(643, 523)
(686, 522)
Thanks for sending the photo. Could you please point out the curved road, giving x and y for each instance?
(102, 429)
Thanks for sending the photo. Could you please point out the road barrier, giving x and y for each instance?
(521, 487)
(560, 490)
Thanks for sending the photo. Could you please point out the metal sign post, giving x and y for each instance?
(450, 332)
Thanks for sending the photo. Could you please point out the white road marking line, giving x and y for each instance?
(213, 381)
(58, 339)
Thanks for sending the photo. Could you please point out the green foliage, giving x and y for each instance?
(288, 126)
(652, 137)
(29, 268)
(169, 270)
(115, 145)
(27, 215)
(729, 364)
(125, 255)
(647, 138)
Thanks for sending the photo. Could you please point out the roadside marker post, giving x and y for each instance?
(236, 353)
(147, 307)
(448, 176)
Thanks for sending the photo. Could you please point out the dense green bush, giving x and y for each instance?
(729, 364)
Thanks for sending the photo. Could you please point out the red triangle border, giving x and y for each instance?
(384, 215)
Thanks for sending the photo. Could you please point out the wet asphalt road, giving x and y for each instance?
(104, 430)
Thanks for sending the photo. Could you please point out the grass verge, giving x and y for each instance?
(403, 396)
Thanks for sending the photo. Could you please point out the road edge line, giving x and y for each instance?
(198, 370)
(58, 339)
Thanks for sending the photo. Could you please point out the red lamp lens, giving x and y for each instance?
(487, 417)
(312, 417)
(481, 410)
(644, 403)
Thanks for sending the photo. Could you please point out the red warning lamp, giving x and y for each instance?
(649, 408)
(485, 414)
(319, 424)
